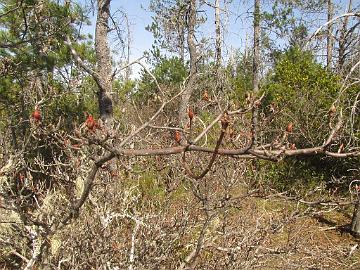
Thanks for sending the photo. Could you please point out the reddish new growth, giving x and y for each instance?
(91, 123)
(190, 113)
(177, 136)
(36, 115)
(21, 177)
(205, 96)
(289, 127)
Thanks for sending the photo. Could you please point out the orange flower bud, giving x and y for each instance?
(36, 115)
(289, 127)
(177, 136)
(21, 177)
(90, 122)
(205, 96)
(190, 113)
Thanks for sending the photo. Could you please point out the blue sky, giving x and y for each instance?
(235, 30)
(237, 26)
(140, 17)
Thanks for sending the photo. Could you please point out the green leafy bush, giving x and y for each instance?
(301, 91)
(241, 78)
(170, 72)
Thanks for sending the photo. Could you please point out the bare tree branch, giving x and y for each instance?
(80, 62)
(330, 22)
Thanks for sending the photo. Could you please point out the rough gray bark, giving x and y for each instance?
(256, 65)
(181, 35)
(355, 224)
(182, 43)
(217, 34)
(103, 60)
(330, 40)
(185, 98)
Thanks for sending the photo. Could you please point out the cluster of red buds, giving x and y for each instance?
(36, 115)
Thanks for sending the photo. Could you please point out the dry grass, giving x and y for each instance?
(274, 235)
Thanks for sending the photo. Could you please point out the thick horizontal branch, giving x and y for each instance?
(245, 152)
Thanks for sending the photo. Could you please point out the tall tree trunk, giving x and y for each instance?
(185, 98)
(128, 45)
(182, 43)
(181, 34)
(330, 40)
(217, 35)
(256, 65)
(103, 60)
(342, 41)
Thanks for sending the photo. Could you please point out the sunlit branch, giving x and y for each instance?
(81, 63)
(329, 22)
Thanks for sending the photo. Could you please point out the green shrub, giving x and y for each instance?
(169, 72)
(302, 91)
